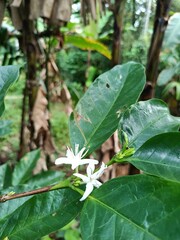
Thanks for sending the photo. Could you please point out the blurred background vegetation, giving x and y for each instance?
(63, 46)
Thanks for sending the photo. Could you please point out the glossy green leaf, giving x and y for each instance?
(5, 127)
(41, 215)
(133, 207)
(8, 75)
(160, 156)
(146, 119)
(9, 207)
(88, 44)
(46, 178)
(5, 176)
(23, 170)
(96, 115)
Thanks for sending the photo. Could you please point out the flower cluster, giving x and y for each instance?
(75, 159)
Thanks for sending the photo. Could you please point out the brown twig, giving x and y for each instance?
(10, 196)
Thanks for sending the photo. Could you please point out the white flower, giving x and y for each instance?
(75, 159)
(91, 179)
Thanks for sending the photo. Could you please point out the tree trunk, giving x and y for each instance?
(29, 48)
(118, 11)
(160, 24)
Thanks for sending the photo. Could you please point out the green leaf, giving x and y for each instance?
(5, 127)
(134, 207)
(8, 75)
(165, 76)
(146, 119)
(9, 207)
(96, 115)
(23, 170)
(46, 178)
(88, 44)
(5, 176)
(172, 33)
(160, 156)
(171, 86)
(41, 215)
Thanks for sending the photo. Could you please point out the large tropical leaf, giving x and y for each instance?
(172, 33)
(160, 156)
(23, 170)
(146, 119)
(166, 75)
(96, 115)
(88, 44)
(41, 215)
(133, 207)
(8, 75)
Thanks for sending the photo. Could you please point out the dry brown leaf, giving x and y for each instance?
(2, 9)
(61, 11)
(40, 118)
(16, 17)
(34, 9)
(41, 165)
(40, 114)
(46, 7)
(16, 3)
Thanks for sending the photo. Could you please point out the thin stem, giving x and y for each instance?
(111, 161)
(10, 196)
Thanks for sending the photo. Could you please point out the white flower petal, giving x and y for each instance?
(96, 183)
(87, 161)
(99, 173)
(91, 160)
(74, 165)
(81, 153)
(89, 189)
(83, 177)
(74, 159)
(76, 149)
(90, 169)
(69, 153)
(62, 160)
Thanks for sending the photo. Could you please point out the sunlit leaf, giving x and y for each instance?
(88, 44)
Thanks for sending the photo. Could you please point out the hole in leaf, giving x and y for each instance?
(107, 85)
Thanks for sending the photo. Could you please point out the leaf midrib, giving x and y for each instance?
(122, 216)
(105, 116)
